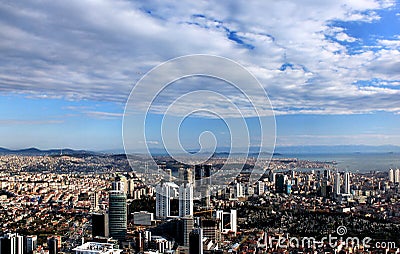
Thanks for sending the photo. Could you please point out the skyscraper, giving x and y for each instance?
(327, 174)
(391, 175)
(239, 192)
(337, 183)
(30, 243)
(324, 188)
(207, 169)
(280, 183)
(130, 187)
(117, 214)
(347, 183)
(52, 244)
(198, 172)
(100, 225)
(12, 244)
(94, 201)
(188, 224)
(260, 187)
(196, 241)
(185, 200)
(163, 200)
(397, 175)
(206, 199)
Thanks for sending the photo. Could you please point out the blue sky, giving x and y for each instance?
(331, 68)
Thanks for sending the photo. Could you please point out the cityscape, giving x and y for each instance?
(88, 203)
(199, 127)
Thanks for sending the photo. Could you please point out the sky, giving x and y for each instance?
(331, 68)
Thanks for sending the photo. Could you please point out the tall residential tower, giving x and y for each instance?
(186, 200)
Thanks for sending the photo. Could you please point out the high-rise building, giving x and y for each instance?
(130, 187)
(202, 174)
(391, 175)
(140, 241)
(272, 176)
(280, 180)
(120, 184)
(327, 174)
(324, 186)
(239, 191)
(52, 244)
(30, 243)
(117, 215)
(188, 225)
(206, 198)
(318, 175)
(163, 200)
(94, 201)
(198, 172)
(210, 229)
(260, 187)
(347, 183)
(397, 175)
(196, 241)
(100, 225)
(12, 244)
(186, 175)
(337, 183)
(168, 172)
(189, 176)
(185, 200)
(207, 170)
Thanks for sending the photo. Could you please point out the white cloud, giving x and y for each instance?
(345, 37)
(103, 115)
(391, 44)
(98, 50)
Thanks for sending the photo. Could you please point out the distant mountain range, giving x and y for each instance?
(224, 151)
(292, 150)
(37, 152)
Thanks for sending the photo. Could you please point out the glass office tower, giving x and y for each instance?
(117, 215)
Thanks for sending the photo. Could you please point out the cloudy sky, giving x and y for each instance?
(331, 68)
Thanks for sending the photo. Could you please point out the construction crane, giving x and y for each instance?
(206, 211)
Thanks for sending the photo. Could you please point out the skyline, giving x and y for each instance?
(331, 70)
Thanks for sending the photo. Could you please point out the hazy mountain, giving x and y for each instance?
(224, 151)
(32, 151)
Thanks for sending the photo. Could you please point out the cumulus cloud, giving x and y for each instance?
(345, 37)
(98, 50)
